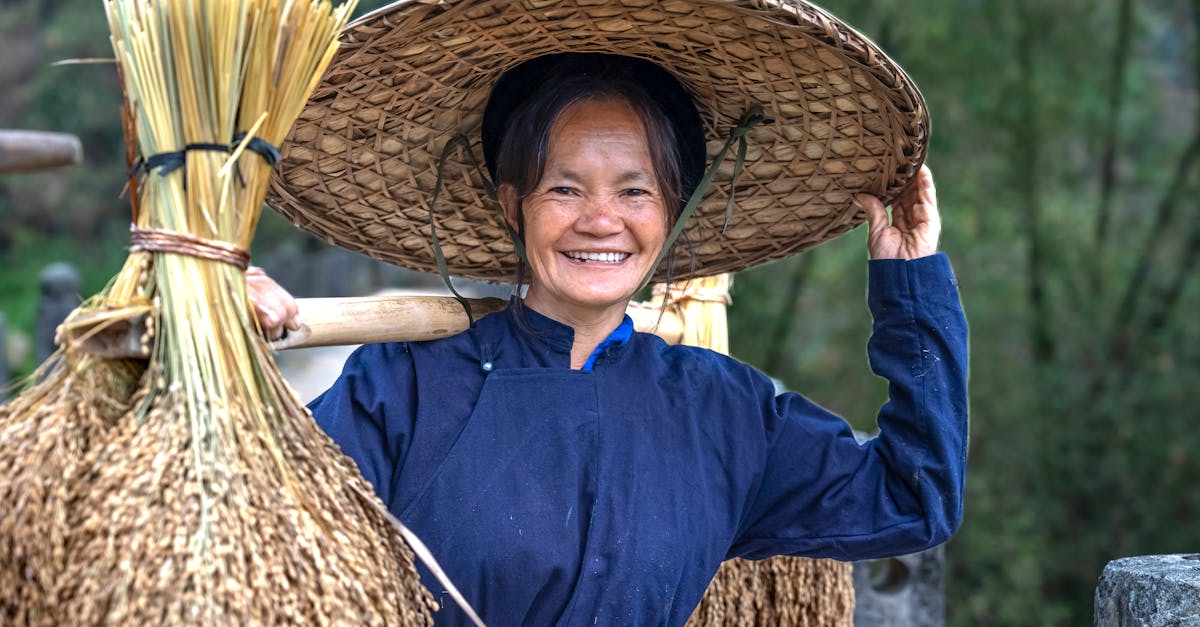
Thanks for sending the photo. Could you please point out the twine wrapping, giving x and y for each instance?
(164, 241)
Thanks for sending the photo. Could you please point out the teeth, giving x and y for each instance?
(599, 257)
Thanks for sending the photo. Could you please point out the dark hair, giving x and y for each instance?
(529, 99)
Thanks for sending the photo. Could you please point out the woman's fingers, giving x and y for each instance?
(913, 226)
(926, 187)
(877, 217)
(925, 221)
(919, 200)
(880, 233)
(273, 306)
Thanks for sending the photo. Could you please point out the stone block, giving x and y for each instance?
(1150, 591)
(901, 591)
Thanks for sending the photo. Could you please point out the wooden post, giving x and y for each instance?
(61, 285)
(33, 151)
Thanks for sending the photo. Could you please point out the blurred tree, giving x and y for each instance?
(1065, 144)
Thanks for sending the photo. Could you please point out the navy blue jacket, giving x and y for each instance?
(558, 496)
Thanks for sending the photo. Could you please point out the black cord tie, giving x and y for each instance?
(261, 146)
(167, 162)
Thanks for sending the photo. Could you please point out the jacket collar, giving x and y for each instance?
(546, 336)
(538, 329)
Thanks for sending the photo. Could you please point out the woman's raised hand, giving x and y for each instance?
(273, 306)
(915, 223)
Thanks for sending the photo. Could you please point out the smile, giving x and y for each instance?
(604, 257)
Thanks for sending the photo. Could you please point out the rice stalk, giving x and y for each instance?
(46, 434)
(778, 592)
(195, 488)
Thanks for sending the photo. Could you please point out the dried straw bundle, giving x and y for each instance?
(700, 304)
(778, 592)
(46, 435)
(209, 496)
(775, 592)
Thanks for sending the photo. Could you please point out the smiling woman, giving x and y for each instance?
(563, 468)
(594, 223)
(591, 175)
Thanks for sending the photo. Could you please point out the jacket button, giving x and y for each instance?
(486, 366)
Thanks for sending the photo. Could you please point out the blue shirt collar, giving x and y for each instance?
(559, 337)
(619, 337)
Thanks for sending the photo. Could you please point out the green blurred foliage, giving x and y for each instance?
(1084, 372)
(1083, 445)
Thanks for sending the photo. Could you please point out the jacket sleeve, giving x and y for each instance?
(821, 493)
(369, 411)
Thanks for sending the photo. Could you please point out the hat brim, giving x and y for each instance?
(360, 166)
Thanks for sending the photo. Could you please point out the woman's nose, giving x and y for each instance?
(600, 217)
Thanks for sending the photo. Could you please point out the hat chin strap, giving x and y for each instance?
(489, 188)
(753, 117)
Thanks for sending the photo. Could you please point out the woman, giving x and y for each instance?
(566, 470)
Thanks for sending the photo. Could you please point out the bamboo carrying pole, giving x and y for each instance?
(342, 321)
(337, 322)
(34, 151)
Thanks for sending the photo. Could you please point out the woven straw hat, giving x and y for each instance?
(360, 166)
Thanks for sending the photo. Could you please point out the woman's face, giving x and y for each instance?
(596, 222)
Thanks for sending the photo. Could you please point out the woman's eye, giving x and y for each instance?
(636, 192)
(564, 191)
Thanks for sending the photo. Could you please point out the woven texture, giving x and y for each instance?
(360, 166)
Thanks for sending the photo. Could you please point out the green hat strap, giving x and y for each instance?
(489, 188)
(751, 118)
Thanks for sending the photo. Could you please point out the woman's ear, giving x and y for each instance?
(508, 201)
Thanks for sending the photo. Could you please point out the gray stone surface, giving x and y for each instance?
(60, 286)
(1150, 591)
(906, 591)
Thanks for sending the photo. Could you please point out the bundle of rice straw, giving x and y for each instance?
(46, 434)
(775, 592)
(778, 592)
(195, 488)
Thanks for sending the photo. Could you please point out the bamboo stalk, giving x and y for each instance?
(338, 322)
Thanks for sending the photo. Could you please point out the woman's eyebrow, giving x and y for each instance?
(634, 176)
(563, 174)
(624, 178)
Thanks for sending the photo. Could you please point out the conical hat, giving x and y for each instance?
(361, 164)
